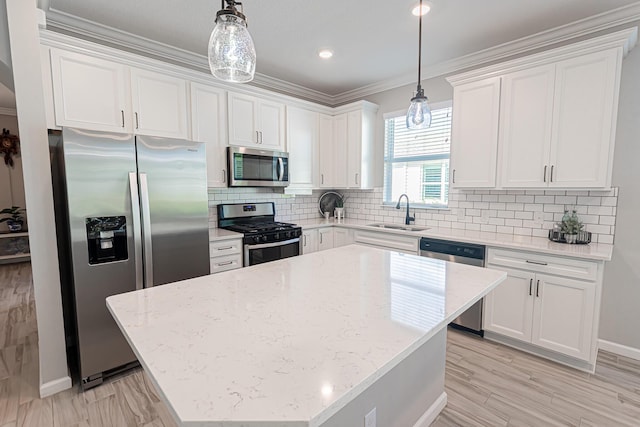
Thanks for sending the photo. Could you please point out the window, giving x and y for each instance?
(416, 162)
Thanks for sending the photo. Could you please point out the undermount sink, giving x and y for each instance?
(399, 227)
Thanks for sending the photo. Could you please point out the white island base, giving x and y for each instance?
(315, 340)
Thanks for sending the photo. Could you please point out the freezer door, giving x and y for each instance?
(101, 250)
(175, 209)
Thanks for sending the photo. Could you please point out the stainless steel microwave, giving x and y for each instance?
(257, 168)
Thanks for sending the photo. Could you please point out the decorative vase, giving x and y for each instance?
(339, 213)
(14, 226)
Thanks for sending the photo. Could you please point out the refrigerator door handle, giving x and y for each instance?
(137, 234)
(146, 231)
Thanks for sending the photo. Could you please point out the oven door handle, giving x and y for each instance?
(272, 245)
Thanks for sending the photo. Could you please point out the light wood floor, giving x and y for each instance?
(488, 384)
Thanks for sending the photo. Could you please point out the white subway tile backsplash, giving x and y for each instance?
(502, 211)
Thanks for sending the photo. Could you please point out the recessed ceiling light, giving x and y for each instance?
(325, 53)
(426, 7)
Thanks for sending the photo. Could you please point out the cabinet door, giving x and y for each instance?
(342, 237)
(89, 93)
(208, 125)
(325, 239)
(326, 151)
(159, 104)
(585, 108)
(474, 139)
(340, 178)
(354, 149)
(508, 309)
(302, 145)
(563, 315)
(525, 127)
(309, 241)
(271, 125)
(242, 120)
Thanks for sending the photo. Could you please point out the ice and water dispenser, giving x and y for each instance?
(106, 239)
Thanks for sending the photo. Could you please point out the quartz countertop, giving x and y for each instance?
(291, 341)
(594, 251)
(220, 234)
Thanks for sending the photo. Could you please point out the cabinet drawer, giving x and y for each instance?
(224, 263)
(567, 267)
(387, 241)
(225, 247)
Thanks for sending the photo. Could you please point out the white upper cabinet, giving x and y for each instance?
(208, 125)
(347, 158)
(474, 139)
(302, 145)
(256, 122)
(557, 120)
(159, 104)
(585, 111)
(325, 148)
(90, 93)
(525, 127)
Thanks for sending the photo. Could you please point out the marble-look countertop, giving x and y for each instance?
(594, 251)
(219, 234)
(291, 341)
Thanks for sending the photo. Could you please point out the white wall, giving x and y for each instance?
(25, 52)
(621, 292)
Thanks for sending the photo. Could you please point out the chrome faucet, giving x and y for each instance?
(408, 218)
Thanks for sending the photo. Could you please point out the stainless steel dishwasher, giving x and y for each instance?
(464, 253)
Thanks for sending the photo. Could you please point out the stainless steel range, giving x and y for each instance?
(264, 239)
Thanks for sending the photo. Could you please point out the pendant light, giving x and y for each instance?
(232, 56)
(419, 114)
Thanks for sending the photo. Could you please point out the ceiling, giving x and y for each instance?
(374, 41)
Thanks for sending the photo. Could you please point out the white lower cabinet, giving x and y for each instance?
(309, 241)
(342, 237)
(325, 239)
(385, 240)
(225, 255)
(546, 310)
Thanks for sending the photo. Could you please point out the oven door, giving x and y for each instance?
(257, 254)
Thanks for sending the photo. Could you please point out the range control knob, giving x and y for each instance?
(288, 234)
(264, 238)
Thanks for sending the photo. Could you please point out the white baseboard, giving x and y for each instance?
(55, 386)
(619, 349)
(432, 413)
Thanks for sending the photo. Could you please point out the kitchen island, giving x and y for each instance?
(314, 340)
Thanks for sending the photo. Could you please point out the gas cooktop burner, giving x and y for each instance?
(260, 227)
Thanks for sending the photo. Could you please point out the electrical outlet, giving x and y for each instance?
(370, 419)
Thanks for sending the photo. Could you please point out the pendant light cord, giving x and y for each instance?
(419, 45)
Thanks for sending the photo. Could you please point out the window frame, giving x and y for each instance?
(386, 189)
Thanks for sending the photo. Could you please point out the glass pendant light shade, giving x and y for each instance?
(232, 55)
(419, 113)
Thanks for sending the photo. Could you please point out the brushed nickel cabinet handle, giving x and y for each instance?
(536, 262)
(357, 179)
(551, 173)
(257, 137)
(224, 176)
(226, 248)
(221, 264)
(137, 124)
(320, 238)
(321, 178)
(530, 286)
(544, 175)
(538, 289)
(122, 114)
(305, 241)
(454, 176)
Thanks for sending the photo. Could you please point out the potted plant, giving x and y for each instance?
(15, 219)
(339, 209)
(571, 226)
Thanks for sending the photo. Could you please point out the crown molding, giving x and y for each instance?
(4, 111)
(68, 24)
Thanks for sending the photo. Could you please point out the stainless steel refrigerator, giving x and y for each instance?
(131, 213)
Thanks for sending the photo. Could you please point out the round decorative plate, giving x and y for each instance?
(327, 202)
